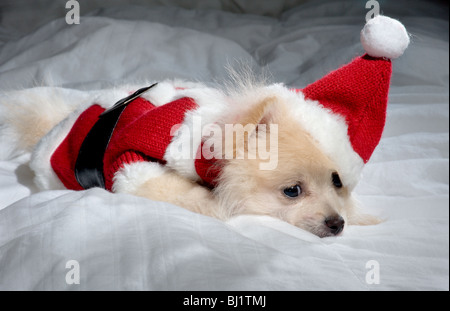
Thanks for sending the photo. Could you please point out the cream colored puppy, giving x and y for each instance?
(300, 183)
(249, 148)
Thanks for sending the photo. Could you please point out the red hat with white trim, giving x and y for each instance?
(354, 98)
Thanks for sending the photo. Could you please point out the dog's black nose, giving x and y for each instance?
(335, 224)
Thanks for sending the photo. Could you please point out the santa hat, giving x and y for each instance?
(350, 102)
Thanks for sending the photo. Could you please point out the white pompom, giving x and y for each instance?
(383, 36)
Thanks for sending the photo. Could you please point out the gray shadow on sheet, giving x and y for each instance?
(25, 177)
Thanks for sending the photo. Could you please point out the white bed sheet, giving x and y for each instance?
(128, 243)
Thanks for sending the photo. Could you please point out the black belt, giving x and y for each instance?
(89, 164)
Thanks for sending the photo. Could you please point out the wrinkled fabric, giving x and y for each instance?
(123, 242)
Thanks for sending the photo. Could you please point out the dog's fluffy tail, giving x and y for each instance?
(27, 115)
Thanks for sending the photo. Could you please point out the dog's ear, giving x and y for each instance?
(261, 113)
(254, 124)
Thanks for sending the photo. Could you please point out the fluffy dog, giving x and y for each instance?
(252, 148)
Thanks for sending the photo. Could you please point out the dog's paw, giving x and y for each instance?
(131, 177)
(359, 219)
(157, 182)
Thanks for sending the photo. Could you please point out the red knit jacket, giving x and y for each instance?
(142, 133)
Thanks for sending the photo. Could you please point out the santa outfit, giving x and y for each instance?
(344, 112)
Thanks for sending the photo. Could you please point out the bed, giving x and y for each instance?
(96, 240)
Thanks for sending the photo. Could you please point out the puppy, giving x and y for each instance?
(249, 148)
(273, 166)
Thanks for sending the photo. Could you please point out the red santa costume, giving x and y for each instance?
(344, 112)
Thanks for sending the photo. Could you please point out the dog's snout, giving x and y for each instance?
(335, 224)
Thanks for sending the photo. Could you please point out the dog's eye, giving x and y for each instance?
(336, 180)
(293, 192)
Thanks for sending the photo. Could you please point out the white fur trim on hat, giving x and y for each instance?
(328, 129)
(320, 122)
(383, 36)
